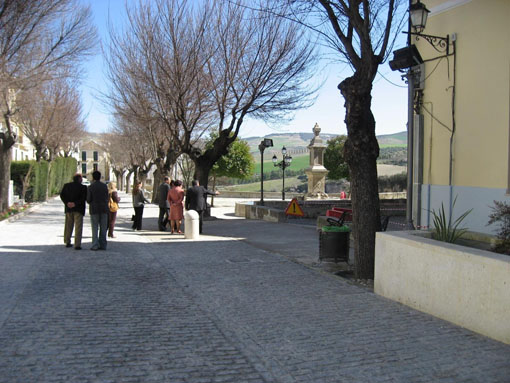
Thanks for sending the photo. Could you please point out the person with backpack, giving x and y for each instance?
(113, 207)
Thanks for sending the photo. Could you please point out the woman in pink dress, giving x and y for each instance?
(176, 198)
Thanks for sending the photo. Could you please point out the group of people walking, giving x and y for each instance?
(171, 203)
(103, 205)
(104, 201)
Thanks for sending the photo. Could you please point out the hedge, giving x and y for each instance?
(393, 183)
(46, 178)
(62, 171)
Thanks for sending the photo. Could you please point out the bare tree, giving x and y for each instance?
(131, 97)
(50, 114)
(362, 33)
(115, 146)
(39, 40)
(69, 124)
(262, 69)
(133, 110)
(71, 137)
(211, 67)
(137, 149)
(187, 169)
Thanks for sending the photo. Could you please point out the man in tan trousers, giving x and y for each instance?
(74, 195)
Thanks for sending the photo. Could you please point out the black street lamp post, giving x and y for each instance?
(265, 143)
(283, 164)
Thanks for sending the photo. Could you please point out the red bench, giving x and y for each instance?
(337, 212)
(340, 215)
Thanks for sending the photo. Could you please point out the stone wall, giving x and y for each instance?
(317, 208)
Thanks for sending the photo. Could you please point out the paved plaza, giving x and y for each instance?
(244, 303)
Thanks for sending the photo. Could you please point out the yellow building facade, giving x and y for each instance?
(462, 112)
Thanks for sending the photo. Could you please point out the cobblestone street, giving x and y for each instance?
(235, 306)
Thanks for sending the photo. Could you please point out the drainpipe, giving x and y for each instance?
(410, 136)
(454, 88)
(410, 152)
(418, 167)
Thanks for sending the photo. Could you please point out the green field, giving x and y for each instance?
(392, 146)
(298, 163)
(269, 185)
(276, 185)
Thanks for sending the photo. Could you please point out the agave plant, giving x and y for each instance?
(444, 229)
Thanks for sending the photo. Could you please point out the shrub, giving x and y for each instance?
(62, 170)
(19, 170)
(393, 183)
(43, 179)
(501, 215)
(446, 230)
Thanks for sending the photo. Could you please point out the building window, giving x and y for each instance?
(95, 167)
(96, 156)
(84, 168)
(84, 156)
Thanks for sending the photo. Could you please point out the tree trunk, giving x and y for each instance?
(48, 176)
(128, 177)
(7, 141)
(163, 168)
(360, 152)
(205, 162)
(121, 180)
(157, 179)
(5, 175)
(39, 150)
(25, 181)
(213, 189)
(202, 170)
(118, 179)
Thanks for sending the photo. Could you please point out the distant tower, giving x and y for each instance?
(316, 172)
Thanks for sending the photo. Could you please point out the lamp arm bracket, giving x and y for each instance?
(439, 43)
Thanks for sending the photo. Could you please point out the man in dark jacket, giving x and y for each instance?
(164, 205)
(196, 199)
(73, 195)
(97, 198)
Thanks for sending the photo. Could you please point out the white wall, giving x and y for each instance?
(465, 286)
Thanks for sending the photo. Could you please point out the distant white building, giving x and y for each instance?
(92, 156)
(23, 150)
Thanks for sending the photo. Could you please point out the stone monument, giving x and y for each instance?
(316, 172)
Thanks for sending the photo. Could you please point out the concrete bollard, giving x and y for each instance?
(191, 224)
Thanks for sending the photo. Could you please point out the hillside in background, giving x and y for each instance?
(392, 161)
(393, 140)
(296, 143)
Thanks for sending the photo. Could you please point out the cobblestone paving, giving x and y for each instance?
(318, 328)
(154, 309)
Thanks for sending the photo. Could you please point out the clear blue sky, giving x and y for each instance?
(389, 100)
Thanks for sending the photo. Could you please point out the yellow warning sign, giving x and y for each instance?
(294, 209)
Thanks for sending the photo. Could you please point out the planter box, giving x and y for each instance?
(463, 285)
(334, 245)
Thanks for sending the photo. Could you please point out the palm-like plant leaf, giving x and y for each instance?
(446, 230)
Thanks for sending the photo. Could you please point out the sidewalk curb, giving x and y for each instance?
(29, 210)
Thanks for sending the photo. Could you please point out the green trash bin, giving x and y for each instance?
(334, 243)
